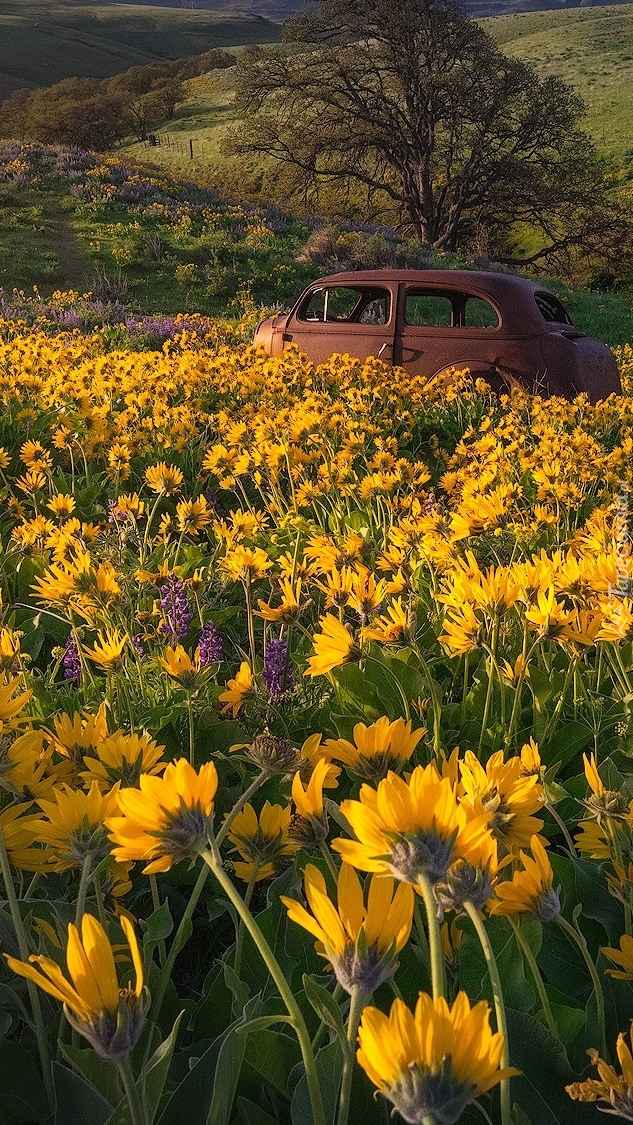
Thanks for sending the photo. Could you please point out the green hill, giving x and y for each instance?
(43, 41)
(591, 49)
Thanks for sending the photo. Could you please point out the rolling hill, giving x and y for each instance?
(43, 41)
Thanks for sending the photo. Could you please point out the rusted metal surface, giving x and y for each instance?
(508, 330)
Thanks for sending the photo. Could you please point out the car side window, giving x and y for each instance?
(551, 309)
(347, 304)
(428, 309)
(479, 313)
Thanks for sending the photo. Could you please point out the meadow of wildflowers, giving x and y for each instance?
(316, 746)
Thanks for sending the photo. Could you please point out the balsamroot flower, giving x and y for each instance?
(167, 818)
(377, 748)
(622, 957)
(412, 828)
(332, 648)
(109, 1017)
(433, 1062)
(262, 841)
(237, 690)
(530, 891)
(360, 940)
(615, 1090)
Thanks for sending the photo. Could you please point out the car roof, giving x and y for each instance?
(514, 296)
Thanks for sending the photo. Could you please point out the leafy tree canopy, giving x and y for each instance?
(446, 135)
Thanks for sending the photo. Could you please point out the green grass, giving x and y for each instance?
(45, 42)
(31, 226)
(591, 49)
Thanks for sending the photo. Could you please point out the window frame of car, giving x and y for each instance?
(458, 299)
(373, 292)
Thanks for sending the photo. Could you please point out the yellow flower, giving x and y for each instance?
(167, 818)
(261, 841)
(192, 516)
(164, 479)
(109, 1017)
(310, 823)
(237, 690)
(61, 505)
(360, 940)
(462, 630)
(19, 832)
(507, 795)
(411, 828)
(109, 651)
(79, 733)
(529, 891)
(290, 608)
(181, 667)
(622, 956)
(433, 1062)
(10, 704)
(74, 828)
(244, 564)
(616, 1090)
(333, 647)
(390, 627)
(377, 748)
(123, 757)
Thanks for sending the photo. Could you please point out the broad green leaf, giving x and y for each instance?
(20, 1078)
(250, 1114)
(227, 1071)
(324, 1005)
(157, 1069)
(99, 1073)
(329, 1065)
(77, 1102)
(273, 1055)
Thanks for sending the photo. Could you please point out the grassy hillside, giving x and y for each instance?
(43, 42)
(589, 48)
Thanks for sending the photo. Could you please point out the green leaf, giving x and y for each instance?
(20, 1082)
(77, 1102)
(159, 926)
(157, 1069)
(227, 1071)
(250, 1114)
(568, 743)
(324, 1005)
(99, 1073)
(273, 1055)
(542, 1059)
(329, 1065)
(237, 987)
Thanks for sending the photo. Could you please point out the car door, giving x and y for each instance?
(351, 317)
(440, 327)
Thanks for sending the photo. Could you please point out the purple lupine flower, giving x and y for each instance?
(210, 645)
(137, 644)
(277, 676)
(173, 602)
(70, 660)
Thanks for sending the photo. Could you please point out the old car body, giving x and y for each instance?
(506, 329)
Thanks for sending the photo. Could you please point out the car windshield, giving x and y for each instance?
(347, 304)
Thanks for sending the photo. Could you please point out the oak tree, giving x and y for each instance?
(447, 136)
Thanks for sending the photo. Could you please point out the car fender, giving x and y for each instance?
(501, 379)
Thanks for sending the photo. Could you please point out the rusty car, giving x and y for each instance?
(506, 329)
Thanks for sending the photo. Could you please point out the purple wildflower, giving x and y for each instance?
(70, 660)
(210, 645)
(137, 644)
(277, 672)
(176, 612)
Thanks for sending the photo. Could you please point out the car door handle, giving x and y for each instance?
(385, 347)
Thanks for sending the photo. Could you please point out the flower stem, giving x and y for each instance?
(214, 862)
(162, 948)
(435, 941)
(331, 866)
(191, 730)
(34, 996)
(177, 944)
(138, 1112)
(576, 936)
(500, 1011)
(536, 975)
(86, 875)
(246, 796)
(355, 1009)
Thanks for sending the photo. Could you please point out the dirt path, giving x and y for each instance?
(66, 248)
